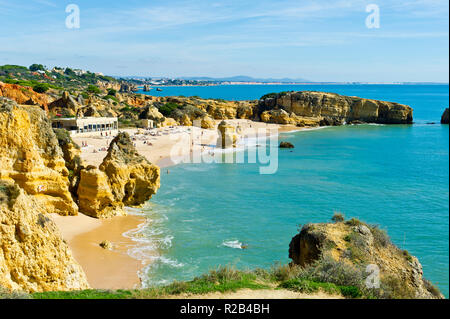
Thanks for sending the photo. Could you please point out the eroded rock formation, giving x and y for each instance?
(66, 102)
(227, 135)
(123, 178)
(23, 95)
(333, 108)
(33, 255)
(356, 245)
(32, 158)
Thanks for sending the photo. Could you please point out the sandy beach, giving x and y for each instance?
(116, 269)
(159, 149)
(104, 268)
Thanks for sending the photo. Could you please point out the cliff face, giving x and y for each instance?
(32, 158)
(123, 178)
(332, 109)
(33, 255)
(41, 172)
(23, 95)
(355, 244)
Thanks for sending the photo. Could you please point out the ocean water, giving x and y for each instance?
(396, 176)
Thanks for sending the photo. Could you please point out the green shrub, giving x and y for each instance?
(392, 287)
(407, 255)
(112, 92)
(6, 294)
(350, 291)
(168, 108)
(380, 236)
(93, 89)
(36, 67)
(432, 288)
(354, 222)
(111, 97)
(41, 88)
(69, 72)
(280, 272)
(64, 137)
(8, 193)
(338, 217)
(327, 269)
(269, 96)
(273, 95)
(309, 286)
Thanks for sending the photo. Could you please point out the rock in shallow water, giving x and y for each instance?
(445, 116)
(286, 145)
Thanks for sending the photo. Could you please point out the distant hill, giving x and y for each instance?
(244, 78)
(56, 77)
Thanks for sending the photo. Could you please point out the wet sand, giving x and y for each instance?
(105, 269)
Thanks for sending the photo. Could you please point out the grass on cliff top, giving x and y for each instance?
(224, 279)
(221, 280)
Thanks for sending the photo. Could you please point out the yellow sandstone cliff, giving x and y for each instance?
(320, 108)
(123, 178)
(32, 158)
(33, 255)
(346, 248)
(40, 173)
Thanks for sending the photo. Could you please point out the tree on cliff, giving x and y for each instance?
(93, 89)
(36, 67)
(41, 87)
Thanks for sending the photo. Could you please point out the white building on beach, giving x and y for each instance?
(88, 125)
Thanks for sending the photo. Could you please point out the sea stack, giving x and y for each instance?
(445, 115)
(227, 135)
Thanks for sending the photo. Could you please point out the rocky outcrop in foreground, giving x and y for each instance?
(445, 116)
(352, 246)
(123, 178)
(33, 255)
(318, 108)
(34, 181)
(41, 172)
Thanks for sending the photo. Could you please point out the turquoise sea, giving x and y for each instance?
(396, 176)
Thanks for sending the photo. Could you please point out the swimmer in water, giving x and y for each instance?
(244, 246)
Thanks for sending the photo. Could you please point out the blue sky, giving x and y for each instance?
(319, 40)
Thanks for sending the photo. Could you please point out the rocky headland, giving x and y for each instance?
(319, 109)
(349, 247)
